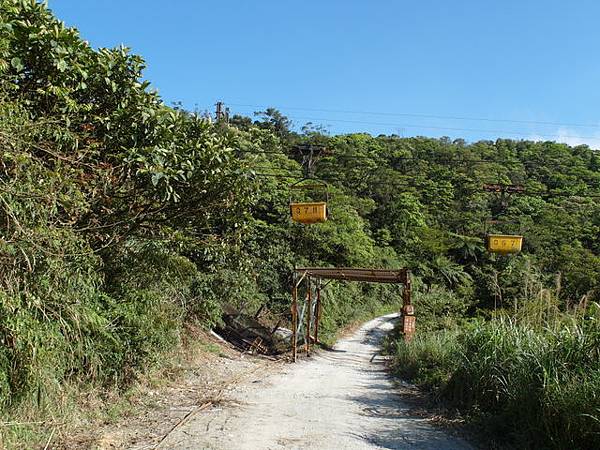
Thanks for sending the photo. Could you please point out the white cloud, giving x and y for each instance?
(571, 137)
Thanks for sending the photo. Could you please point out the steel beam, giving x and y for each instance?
(351, 274)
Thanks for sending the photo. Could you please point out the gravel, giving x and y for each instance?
(338, 399)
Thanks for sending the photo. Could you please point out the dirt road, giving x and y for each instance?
(341, 399)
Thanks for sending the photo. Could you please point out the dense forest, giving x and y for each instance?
(124, 220)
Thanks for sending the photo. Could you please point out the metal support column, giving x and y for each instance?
(408, 310)
(318, 311)
(294, 318)
(308, 314)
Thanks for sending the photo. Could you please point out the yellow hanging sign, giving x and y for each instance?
(504, 244)
(314, 212)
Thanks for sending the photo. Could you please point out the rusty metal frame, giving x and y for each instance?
(313, 306)
(355, 274)
(296, 284)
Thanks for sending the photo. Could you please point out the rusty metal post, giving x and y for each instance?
(308, 314)
(294, 317)
(408, 310)
(318, 311)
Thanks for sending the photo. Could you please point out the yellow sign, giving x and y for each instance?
(309, 212)
(504, 244)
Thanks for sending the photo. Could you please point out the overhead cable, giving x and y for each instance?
(420, 115)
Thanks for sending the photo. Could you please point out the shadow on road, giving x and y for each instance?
(401, 428)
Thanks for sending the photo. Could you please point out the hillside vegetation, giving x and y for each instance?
(123, 221)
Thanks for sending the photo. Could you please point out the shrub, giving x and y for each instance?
(537, 384)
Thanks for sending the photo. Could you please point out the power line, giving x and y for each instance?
(531, 135)
(287, 174)
(408, 184)
(463, 161)
(275, 175)
(424, 116)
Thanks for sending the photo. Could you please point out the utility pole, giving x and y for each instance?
(221, 112)
(504, 191)
(310, 153)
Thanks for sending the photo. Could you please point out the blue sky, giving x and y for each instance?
(420, 65)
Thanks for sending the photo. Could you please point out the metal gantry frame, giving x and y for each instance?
(306, 315)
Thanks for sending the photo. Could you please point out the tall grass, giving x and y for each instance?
(536, 383)
(428, 360)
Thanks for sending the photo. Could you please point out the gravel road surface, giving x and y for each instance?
(338, 399)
